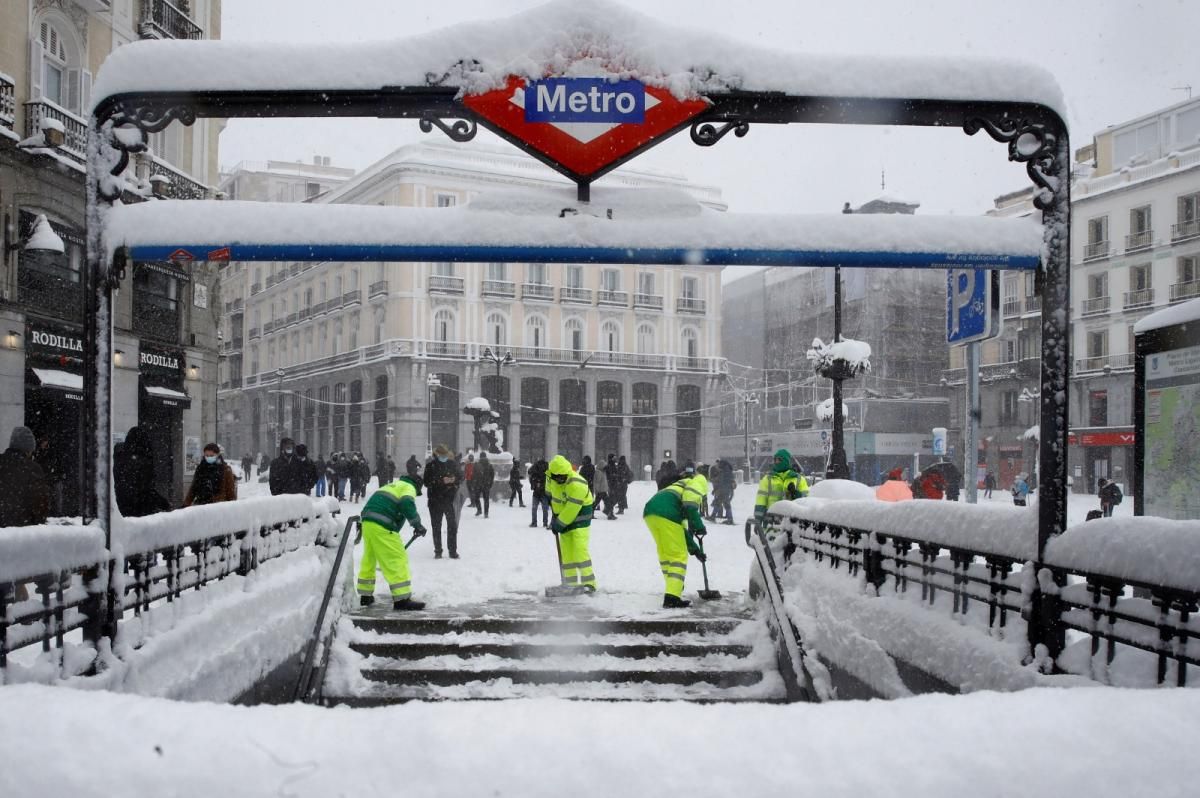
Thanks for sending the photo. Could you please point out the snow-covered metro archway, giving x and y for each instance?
(481, 74)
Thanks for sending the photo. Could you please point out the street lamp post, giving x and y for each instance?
(501, 361)
(747, 399)
(278, 406)
(431, 381)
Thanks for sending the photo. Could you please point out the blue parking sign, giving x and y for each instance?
(972, 305)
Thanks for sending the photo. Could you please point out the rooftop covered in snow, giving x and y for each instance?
(618, 226)
(596, 39)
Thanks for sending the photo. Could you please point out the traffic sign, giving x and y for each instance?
(583, 125)
(972, 305)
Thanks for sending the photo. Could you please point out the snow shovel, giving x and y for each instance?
(706, 594)
(558, 591)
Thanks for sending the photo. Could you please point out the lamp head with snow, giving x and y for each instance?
(41, 238)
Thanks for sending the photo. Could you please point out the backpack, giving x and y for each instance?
(1116, 495)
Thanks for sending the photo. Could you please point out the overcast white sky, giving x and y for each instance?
(1115, 60)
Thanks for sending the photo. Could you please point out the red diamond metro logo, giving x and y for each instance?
(584, 129)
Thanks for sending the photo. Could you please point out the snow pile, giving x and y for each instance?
(986, 528)
(479, 403)
(841, 490)
(1183, 313)
(856, 354)
(43, 236)
(1152, 551)
(825, 410)
(29, 551)
(202, 225)
(937, 746)
(596, 39)
(179, 527)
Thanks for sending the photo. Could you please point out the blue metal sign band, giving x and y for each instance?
(664, 256)
(585, 100)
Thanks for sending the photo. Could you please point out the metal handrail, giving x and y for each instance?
(789, 649)
(304, 684)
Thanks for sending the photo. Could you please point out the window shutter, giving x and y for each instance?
(36, 53)
(73, 86)
(85, 93)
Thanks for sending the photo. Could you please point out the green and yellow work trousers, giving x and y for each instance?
(576, 561)
(387, 549)
(672, 551)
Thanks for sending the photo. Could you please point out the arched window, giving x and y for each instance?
(443, 325)
(646, 339)
(610, 336)
(497, 329)
(535, 332)
(691, 346)
(57, 75)
(573, 329)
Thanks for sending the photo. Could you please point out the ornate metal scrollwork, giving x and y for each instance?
(1032, 144)
(453, 75)
(459, 130)
(126, 132)
(706, 134)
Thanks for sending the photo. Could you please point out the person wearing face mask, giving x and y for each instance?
(214, 481)
(441, 480)
(285, 468)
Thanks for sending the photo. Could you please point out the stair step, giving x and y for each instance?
(447, 678)
(439, 626)
(411, 651)
(368, 701)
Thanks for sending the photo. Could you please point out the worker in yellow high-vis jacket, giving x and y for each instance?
(674, 518)
(383, 516)
(781, 483)
(571, 504)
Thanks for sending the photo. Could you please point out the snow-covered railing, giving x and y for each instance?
(153, 559)
(977, 564)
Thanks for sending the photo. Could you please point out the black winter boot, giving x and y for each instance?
(674, 602)
(366, 601)
(408, 604)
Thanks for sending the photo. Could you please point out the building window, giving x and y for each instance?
(354, 321)
(1008, 407)
(498, 272)
(1189, 208)
(535, 332)
(446, 200)
(1097, 230)
(1139, 220)
(312, 190)
(691, 345)
(535, 273)
(443, 325)
(1098, 408)
(1097, 343)
(1139, 277)
(574, 277)
(610, 280)
(443, 269)
(689, 288)
(1188, 269)
(646, 283)
(337, 337)
(497, 329)
(254, 359)
(646, 339)
(574, 330)
(1098, 285)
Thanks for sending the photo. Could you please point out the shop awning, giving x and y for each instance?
(168, 397)
(71, 385)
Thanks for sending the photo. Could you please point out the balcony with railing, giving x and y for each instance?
(1139, 299)
(1104, 363)
(1096, 306)
(690, 304)
(687, 363)
(1186, 229)
(49, 290)
(1095, 250)
(254, 333)
(179, 185)
(352, 298)
(1139, 241)
(74, 127)
(540, 292)
(1033, 304)
(256, 288)
(8, 102)
(650, 301)
(1185, 290)
(620, 298)
(293, 318)
(1012, 307)
(445, 349)
(156, 317)
(579, 296)
(162, 20)
(444, 284)
(500, 288)
(377, 289)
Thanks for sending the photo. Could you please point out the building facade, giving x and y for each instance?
(770, 318)
(621, 359)
(1135, 241)
(165, 317)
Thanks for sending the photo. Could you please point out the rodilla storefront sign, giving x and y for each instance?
(585, 100)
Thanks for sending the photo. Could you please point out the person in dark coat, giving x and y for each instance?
(285, 474)
(386, 470)
(588, 471)
(989, 485)
(360, 475)
(306, 473)
(537, 493)
(264, 463)
(481, 482)
(50, 459)
(341, 475)
(626, 480)
(953, 479)
(322, 469)
(514, 483)
(442, 478)
(133, 477)
(413, 466)
(214, 481)
(25, 499)
(247, 466)
(1110, 496)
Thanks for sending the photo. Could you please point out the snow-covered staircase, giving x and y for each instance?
(382, 657)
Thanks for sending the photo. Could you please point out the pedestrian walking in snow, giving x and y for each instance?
(571, 507)
(25, 499)
(287, 473)
(538, 497)
(322, 475)
(482, 478)
(588, 471)
(1020, 490)
(600, 489)
(412, 466)
(626, 478)
(247, 466)
(673, 516)
(383, 516)
(989, 485)
(50, 459)
(515, 485)
(895, 489)
(133, 477)
(214, 481)
(442, 480)
(469, 475)
(1110, 496)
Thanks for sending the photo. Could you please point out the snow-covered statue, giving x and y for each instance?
(841, 360)
(488, 436)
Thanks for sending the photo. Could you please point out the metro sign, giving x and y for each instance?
(584, 126)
